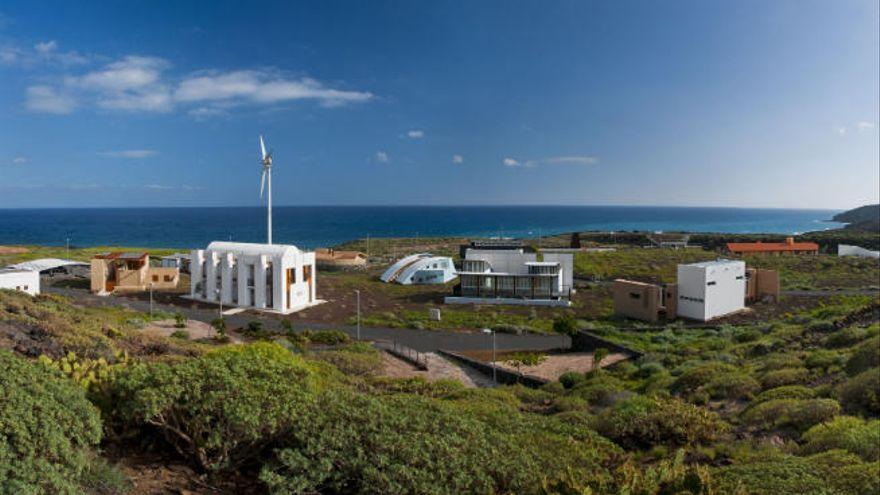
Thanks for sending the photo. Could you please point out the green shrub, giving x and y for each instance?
(861, 393)
(821, 326)
(418, 445)
(777, 475)
(642, 421)
(846, 473)
(327, 337)
(845, 337)
(358, 359)
(566, 325)
(179, 320)
(650, 368)
(693, 378)
(866, 355)
(785, 392)
(823, 359)
(600, 393)
(416, 385)
(799, 414)
(854, 435)
(571, 378)
(780, 361)
(785, 376)
(732, 386)
(180, 334)
(221, 409)
(46, 429)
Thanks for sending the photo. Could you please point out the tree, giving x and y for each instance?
(179, 320)
(520, 359)
(219, 324)
(598, 356)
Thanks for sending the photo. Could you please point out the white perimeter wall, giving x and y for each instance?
(18, 280)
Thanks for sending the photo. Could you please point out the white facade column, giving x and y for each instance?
(211, 271)
(243, 266)
(260, 282)
(279, 291)
(226, 265)
(196, 270)
(310, 260)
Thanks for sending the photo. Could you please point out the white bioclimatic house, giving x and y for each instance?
(21, 280)
(272, 277)
(422, 268)
(513, 276)
(711, 289)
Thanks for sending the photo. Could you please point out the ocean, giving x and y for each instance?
(316, 226)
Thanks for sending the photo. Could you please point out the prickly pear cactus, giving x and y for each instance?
(91, 374)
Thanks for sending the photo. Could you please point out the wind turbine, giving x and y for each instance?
(266, 159)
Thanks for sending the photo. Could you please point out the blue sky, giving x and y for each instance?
(749, 103)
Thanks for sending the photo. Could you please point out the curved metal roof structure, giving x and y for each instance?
(414, 268)
(251, 249)
(45, 264)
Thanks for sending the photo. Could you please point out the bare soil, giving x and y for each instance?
(13, 250)
(439, 368)
(555, 364)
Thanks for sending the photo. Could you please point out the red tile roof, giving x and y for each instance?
(772, 247)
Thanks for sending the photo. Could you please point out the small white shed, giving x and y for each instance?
(21, 280)
(711, 289)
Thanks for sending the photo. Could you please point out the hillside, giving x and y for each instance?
(862, 218)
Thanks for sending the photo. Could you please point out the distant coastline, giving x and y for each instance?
(314, 226)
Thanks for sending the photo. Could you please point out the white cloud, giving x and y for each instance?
(261, 87)
(20, 160)
(415, 134)
(45, 52)
(46, 47)
(163, 187)
(140, 83)
(45, 99)
(9, 56)
(457, 159)
(563, 160)
(131, 84)
(553, 160)
(841, 130)
(382, 157)
(865, 126)
(129, 153)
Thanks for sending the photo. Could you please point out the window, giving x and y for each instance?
(155, 278)
(167, 278)
(25, 287)
(635, 295)
(740, 277)
(711, 283)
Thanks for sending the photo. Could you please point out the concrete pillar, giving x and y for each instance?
(211, 270)
(226, 266)
(260, 283)
(279, 291)
(197, 258)
(244, 268)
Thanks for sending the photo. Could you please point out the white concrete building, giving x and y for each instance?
(21, 280)
(513, 276)
(422, 268)
(711, 289)
(860, 252)
(271, 277)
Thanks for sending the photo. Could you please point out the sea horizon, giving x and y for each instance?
(319, 226)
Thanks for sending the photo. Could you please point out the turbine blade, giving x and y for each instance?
(262, 147)
(262, 183)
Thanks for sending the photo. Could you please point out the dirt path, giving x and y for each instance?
(439, 368)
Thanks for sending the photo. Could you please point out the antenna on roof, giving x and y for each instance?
(266, 179)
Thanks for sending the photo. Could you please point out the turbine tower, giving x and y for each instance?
(267, 177)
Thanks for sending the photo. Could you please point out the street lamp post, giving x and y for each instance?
(68, 247)
(488, 331)
(220, 300)
(358, 295)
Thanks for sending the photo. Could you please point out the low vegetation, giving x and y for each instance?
(787, 405)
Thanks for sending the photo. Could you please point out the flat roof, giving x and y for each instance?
(119, 255)
(708, 264)
(15, 270)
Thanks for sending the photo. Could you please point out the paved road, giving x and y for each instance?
(420, 340)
